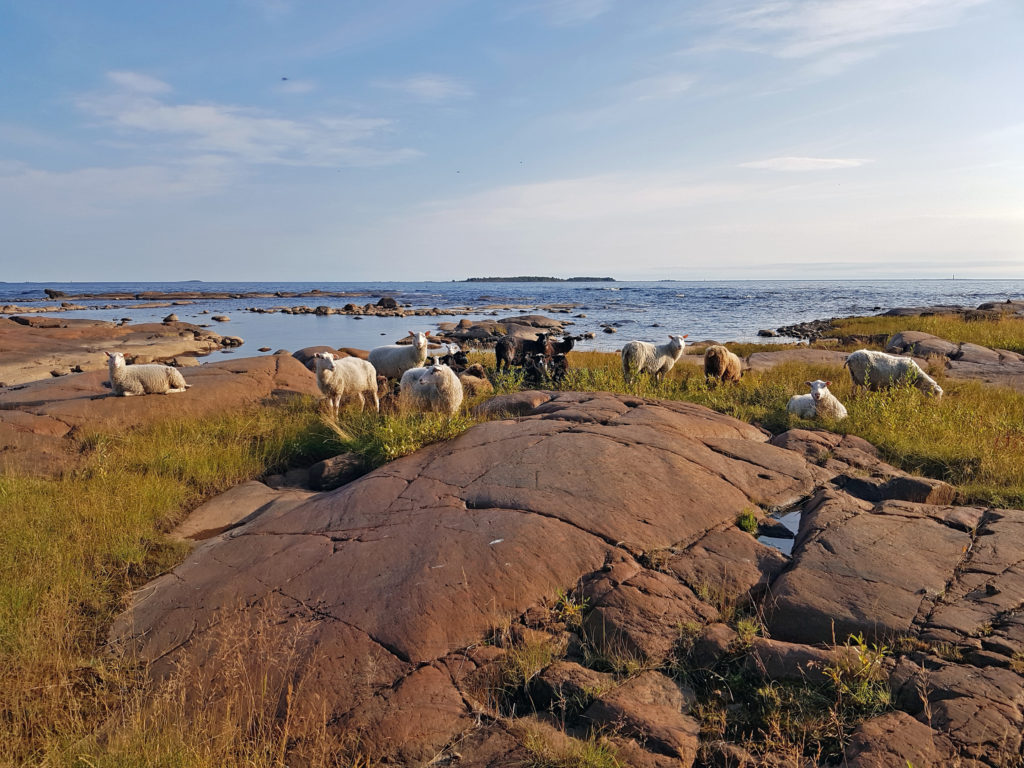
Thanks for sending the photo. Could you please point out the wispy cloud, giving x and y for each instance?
(101, 191)
(429, 88)
(799, 28)
(806, 163)
(137, 107)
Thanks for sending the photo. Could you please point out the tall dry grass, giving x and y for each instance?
(999, 333)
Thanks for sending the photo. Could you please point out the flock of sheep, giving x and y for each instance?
(441, 386)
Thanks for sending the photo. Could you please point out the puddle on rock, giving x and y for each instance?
(790, 521)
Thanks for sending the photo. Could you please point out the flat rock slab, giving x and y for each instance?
(424, 556)
(36, 418)
(30, 350)
(899, 568)
(234, 506)
(763, 361)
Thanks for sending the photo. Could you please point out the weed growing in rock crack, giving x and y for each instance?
(548, 749)
(570, 609)
(657, 559)
(747, 521)
(523, 660)
(383, 437)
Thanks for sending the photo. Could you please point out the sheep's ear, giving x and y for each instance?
(809, 383)
(686, 336)
(108, 354)
(411, 333)
(426, 333)
(828, 383)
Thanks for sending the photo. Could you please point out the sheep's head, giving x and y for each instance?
(324, 360)
(819, 389)
(419, 340)
(114, 359)
(678, 342)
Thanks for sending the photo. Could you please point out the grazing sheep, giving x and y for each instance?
(434, 388)
(559, 368)
(149, 379)
(878, 370)
(512, 350)
(393, 360)
(347, 376)
(819, 402)
(475, 382)
(452, 356)
(643, 357)
(535, 369)
(721, 364)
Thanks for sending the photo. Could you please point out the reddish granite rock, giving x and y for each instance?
(897, 739)
(35, 440)
(649, 708)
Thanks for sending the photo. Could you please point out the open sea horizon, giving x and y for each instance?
(724, 310)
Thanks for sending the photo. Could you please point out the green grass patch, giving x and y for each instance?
(996, 333)
(71, 548)
(382, 437)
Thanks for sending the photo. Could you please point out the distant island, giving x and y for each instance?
(538, 279)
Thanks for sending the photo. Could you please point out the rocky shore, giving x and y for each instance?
(594, 531)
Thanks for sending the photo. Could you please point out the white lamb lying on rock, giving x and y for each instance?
(644, 357)
(345, 377)
(818, 403)
(150, 379)
(434, 388)
(878, 370)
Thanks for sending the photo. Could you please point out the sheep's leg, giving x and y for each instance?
(362, 401)
(376, 401)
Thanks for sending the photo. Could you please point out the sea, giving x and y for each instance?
(647, 311)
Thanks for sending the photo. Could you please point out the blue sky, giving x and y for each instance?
(439, 139)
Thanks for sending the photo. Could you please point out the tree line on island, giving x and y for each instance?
(538, 279)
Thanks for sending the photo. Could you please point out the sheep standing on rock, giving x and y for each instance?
(721, 364)
(878, 370)
(513, 350)
(393, 360)
(435, 388)
(345, 377)
(644, 357)
(149, 379)
(818, 403)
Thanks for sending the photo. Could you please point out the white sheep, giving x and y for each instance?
(433, 388)
(878, 370)
(149, 379)
(644, 357)
(819, 402)
(345, 377)
(393, 360)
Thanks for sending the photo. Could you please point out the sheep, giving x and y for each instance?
(819, 402)
(452, 356)
(535, 369)
(149, 379)
(643, 357)
(513, 350)
(878, 370)
(562, 347)
(393, 360)
(721, 364)
(559, 368)
(434, 388)
(475, 382)
(347, 376)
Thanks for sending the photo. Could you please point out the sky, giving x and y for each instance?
(273, 140)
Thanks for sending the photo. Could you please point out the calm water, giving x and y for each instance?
(725, 311)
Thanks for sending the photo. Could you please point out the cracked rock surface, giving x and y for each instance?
(388, 588)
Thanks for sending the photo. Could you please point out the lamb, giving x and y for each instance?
(393, 360)
(721, 364)
(643, 357)
(535, 368)
(452, 356)
(562, 347)
(513, 350)
(475, 382)
(559, 368)
(878, 370)
(819, 402)
(434, 388)
(343, 377)
(150, 379)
